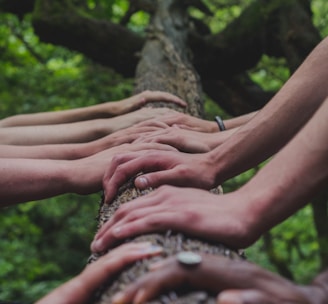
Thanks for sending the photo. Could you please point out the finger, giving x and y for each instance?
(114, 177)
(126, 212)
(167, 97)
(118, 258)
(140, 221)
(246, 297)
(152, 284)
(156, 179)
(126, 166)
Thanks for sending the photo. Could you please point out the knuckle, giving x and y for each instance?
(117, 159)
(183, 171)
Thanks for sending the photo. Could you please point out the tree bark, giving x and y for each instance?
(164, 65)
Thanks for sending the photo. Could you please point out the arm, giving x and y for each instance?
(234, 281)
(236, 122)
(22, 180)
(77, 150)
(82, 287)
(239, 218)
(103, 110)
(279, 120)
(185, 140)
(260, 138)
(77, 132)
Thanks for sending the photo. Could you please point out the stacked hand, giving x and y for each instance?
(235, 282)
(195, 212)
(82, 287)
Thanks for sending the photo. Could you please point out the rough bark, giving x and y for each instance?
(164, 65)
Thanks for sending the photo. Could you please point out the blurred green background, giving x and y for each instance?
(45, 243)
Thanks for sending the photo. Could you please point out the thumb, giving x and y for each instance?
(245, 297)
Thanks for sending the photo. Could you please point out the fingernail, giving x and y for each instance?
(118, 298)
(153, 249)
(142, 182)
(229, 298)
(138, 299)
(117, 231)
(156, 265)
(97, 245)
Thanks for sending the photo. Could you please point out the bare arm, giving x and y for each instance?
(77, 132)
(103, 110)
(238, 218)
(81, 288)
(269, 130)
(23, 180)
(291, 178)
(75, 150)
(279, 120)
(236, 122)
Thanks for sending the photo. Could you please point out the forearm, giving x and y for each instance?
(279, 120)
(24, 180)
(291, 178)
(104, 110)
(55, 134)
(238, 121)
(56, 151)
(216, 139)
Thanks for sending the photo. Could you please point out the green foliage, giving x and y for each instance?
(40, 77)
(295, 242)
(320, 13)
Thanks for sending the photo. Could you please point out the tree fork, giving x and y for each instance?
(164, 65)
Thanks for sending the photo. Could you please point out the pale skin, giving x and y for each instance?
(81, 125)
(266, 133)
(43, 178)
(186, 133)
(185, 140)
(240, 217)
(237, 219)
(80, 289)
(102, 110)
(76, 150)
(76, 132)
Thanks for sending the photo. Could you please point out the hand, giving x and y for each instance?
(85, 175)
(136, 117)
(137, 101)
(184, 140)
(80, 289)
(185, 121)
(173, 168)
(222, 218)
(127, 135)
(237, 282)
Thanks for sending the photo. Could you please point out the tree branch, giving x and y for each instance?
(105, 42)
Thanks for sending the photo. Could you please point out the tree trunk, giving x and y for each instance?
(164, 65)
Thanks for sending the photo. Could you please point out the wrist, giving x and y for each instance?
(78, 177)
(314, 293)
(264, 204)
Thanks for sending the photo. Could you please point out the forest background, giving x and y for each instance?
(45, 243)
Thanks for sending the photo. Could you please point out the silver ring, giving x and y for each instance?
(188, 258)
